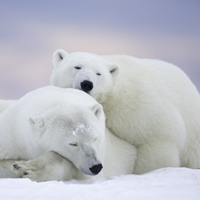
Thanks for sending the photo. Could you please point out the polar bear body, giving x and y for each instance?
(5, 103)
(67, 124)
(149, 103)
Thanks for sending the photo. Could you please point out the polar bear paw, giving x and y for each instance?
(50, 166)
(30, 169)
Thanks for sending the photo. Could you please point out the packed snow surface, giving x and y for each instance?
(162, 184)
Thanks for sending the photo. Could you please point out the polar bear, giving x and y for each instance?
(149, 103)
(5, 103)
(60, 133)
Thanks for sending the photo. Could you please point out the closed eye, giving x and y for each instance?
(77, 67)
(98, 74)
(73, 144)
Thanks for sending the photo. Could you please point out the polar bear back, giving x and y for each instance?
(151, 77)
(154, 90)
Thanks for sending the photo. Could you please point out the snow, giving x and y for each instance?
(82, 128)
(162, 184)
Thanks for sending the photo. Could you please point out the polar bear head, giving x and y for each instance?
(84, 71)
(75, 131)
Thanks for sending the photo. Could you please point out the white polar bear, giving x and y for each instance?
(149, 103)
(63, 131)
(5, 103)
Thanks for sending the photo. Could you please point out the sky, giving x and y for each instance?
(30, 31)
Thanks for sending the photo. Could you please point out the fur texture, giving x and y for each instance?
(60, 134)
(5, 103)
(149, 103)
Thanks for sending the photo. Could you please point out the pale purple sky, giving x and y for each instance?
(30, 31)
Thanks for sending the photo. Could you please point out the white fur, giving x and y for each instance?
(5, 103)
(61, 132)
(148, 103)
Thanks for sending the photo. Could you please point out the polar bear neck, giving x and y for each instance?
(109, 100)
(106, 98)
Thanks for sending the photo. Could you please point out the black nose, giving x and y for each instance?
(96, 169)
(86, 86)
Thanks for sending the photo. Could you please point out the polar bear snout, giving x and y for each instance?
(86, 86)
(96, 169)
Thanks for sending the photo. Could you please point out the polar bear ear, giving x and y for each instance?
(58, 56)
(97, 109)
(37, 122)
(114, 69)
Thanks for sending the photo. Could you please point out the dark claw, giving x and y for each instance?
(26, 173)
(16, 166)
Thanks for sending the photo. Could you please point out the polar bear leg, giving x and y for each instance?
(50, 166)
(155, 155)
(6, 170)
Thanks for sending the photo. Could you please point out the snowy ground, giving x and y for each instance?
(163, 184)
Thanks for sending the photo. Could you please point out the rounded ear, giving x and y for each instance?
(97, 109)
(38, 123)
(58, 56)
(114, 69)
